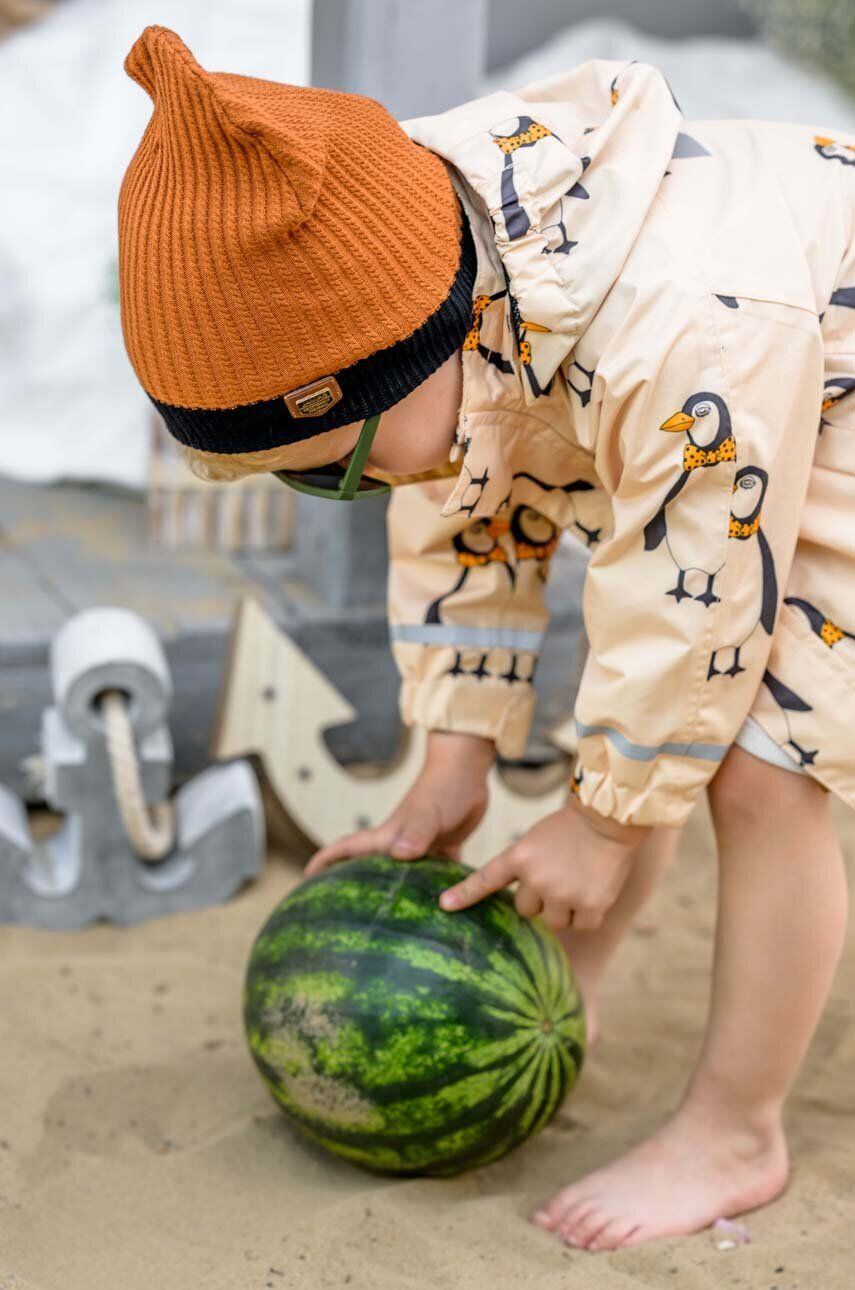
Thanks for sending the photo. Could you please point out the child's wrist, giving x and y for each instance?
(611, 830)
(451, 748)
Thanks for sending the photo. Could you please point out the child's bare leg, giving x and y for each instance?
(781, 923)
(589, 952)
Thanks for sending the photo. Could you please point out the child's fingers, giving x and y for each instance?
(528, 902)
(558, 917)
(363, 843)
(493, 877)
(415, 833)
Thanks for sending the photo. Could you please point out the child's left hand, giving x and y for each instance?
(570, 868)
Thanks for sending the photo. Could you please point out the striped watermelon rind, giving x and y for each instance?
(403, 1038)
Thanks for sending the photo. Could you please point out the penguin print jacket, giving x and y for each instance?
(645, 370)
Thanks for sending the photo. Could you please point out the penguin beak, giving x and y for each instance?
(822, 141)
(679, 423)
(527, 326)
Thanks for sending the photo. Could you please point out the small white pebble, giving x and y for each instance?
(728, 1235)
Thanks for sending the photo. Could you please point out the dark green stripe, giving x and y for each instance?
(469, 997)
(494, 958)
(276, 961)
(495, 939)
(386, 1093)
(480, 1122)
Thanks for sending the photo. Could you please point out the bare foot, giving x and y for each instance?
(692, 1172)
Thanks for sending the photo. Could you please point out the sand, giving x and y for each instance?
(138, 1149)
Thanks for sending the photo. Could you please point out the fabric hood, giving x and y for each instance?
(566, 169)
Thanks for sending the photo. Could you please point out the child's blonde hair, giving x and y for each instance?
(222, 467)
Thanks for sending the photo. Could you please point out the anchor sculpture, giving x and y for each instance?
(107, 755)
(276, 704)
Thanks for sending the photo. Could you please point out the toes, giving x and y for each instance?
(566, 1229)
(636, 1236)
(574, 1230)
(588, 1227)
(558, 1208)
(612, 1235)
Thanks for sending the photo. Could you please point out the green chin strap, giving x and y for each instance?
(340, 483)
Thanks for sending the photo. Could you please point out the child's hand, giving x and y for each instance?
(570, 868)
(443, 807)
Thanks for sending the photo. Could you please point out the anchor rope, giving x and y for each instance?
(150, 829)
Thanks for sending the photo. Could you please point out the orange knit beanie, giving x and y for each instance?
(289, 260)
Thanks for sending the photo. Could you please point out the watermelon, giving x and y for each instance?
(406, 1039)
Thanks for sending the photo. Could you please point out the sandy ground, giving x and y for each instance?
(139, 1150)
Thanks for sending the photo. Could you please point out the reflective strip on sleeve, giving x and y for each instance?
(646, 752)
(465, 637)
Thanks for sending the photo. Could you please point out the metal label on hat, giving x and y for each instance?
(315, 399)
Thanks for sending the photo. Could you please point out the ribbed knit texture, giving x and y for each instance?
(271, 234)
(371, 385)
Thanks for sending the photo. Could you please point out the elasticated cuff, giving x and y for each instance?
(491, 709)
(625, 804)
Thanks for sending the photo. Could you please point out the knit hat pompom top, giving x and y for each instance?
(271, 236)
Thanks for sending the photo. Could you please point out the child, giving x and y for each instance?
(598, 318)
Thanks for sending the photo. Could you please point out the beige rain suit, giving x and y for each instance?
(662, 363)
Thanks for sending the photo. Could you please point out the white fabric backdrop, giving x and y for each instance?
(711, 76)
(70, 119)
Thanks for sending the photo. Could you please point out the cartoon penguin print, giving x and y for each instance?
(535, 538)
(578, 190)
(472, 342)
(789, 702)
(705, 420)
(591, 535)
(834, 150)
(756, 565)
(521, 328)
(582, 392)
(844, 297)
(483, 669)
(566, 244)
(524, 133)
(526, 357)
(835, 389)
(828, 632)
(473, 490)
(476, 547)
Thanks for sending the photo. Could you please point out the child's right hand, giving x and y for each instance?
(445, 805)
